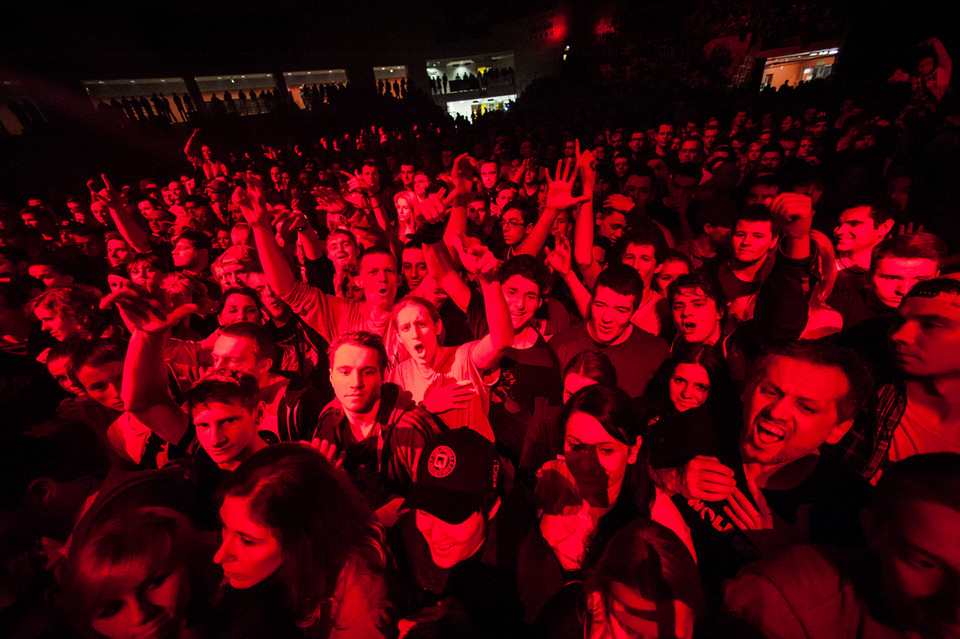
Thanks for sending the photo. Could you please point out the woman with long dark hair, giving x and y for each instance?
(302, 554)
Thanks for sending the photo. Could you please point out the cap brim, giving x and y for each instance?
(451, 506)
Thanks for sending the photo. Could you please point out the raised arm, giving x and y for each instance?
(145, 391)
(188, 147)
(129, 221)
(559, 198)
(560, 261)
(254, 209)
(490, 348)
(440, 264)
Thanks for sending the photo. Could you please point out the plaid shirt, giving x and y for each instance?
(866, 446)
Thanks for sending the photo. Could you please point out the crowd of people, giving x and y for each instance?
(670, 379)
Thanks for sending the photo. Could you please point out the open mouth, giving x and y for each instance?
(419, 349)
(767, 433)
(688, 327)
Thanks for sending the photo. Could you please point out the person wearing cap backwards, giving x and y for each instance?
(454, 547)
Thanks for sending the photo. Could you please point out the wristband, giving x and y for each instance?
(431, 232)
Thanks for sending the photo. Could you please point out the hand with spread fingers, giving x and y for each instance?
(140, 311)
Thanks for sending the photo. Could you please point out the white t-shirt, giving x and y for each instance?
(920, 431)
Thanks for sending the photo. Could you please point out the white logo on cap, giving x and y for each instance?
(442, 462)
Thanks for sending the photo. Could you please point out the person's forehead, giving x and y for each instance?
(907, 267)
(944, 306)
(805, 379)
(377, 260)
(353, 355)
(411, 312)
(233, 345)
(692, 295)
(587, 429)
(239, 299)
(754, 226)
(611, 297)
(413, 255)
(640, 249)
(522, 282)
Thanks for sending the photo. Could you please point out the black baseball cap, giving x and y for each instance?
(458, 470)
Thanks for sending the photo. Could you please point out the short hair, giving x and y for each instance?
(880, 209)
(263, 341)
(239, 290)
(931, 477)
(622, 280)
(934, 287)
(755, 213)
(94, 352)
(363, 339)
(860, 381)
(414, 300)
(412, 244)
(528, 211)
(699, 281)
(718, 211)
(645, 237)
(223, 386)
(772, 147)
(912, 246)
(529, 267)
(152, 260)
(376, 250)
(200, 241)
(593, 365)
(344, 232)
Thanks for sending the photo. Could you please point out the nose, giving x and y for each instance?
(216, 433)
(685, 391)
(142, 610)
(223, 554)
(778, 409)
(904, 335)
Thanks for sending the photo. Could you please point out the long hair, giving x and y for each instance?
(121, 554)
(78, 303)
(320, 520)
(652, 561)
(613, 408)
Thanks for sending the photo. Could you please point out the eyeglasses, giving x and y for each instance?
(510, 224)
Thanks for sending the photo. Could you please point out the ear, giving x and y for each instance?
(493, 511)
(264, 365)
(42, 490)
(776, 242)
(838, 431)
(634, 451)
(259, 413)
(883, 230)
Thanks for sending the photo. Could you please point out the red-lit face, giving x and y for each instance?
(791, 411)
(689, 386)
(857, 230)
(610, 314)
(249, 552)
(451, 543)
(920, 567)
(378, 279)
(752, 240)
(61, 327)
(103, 383)
(612, 225)
(356, 377)
(227, 432)
(893, 277)
(118, 253)
(152, 609)
(643, 258)
(414, 267)
(696, 316)
(50, 278)
(239, 308)
(689, 151)
(926, 339)
(514, 228)
(523, 299)
(669, 271)
(418, 333)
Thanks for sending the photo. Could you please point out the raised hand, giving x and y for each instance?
(464, 169)
(252, 203)
(434, 207)
(289, 220)
(476, 258)
(794, 212)
(357, 183)
(142, 312)
(114, 199)
(443, 395)
(560, 259)
(588, 169)
(560, 187)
